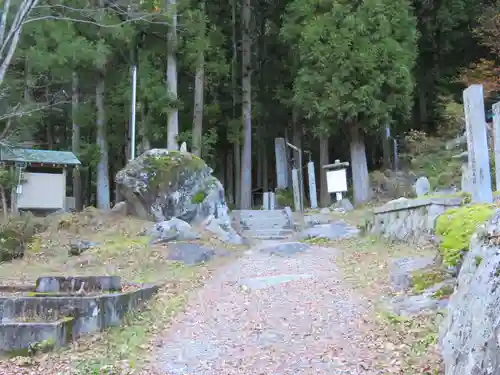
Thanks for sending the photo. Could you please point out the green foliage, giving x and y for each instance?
(284, 198)
(355, 59)
(8, 178)
(16, 234)
(456, 227)
(428, 156)
(208, 143)
(452, 123)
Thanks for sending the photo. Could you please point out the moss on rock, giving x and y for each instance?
(421, 280)
(199, 197)
(443, 292)
(456, 227)
(166, 167)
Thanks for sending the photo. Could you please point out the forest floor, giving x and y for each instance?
(322, 311)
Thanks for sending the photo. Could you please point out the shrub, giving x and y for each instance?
(16, 233)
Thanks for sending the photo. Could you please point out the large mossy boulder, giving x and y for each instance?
(470, 333)
(162, 184)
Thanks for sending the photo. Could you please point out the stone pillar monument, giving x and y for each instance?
(477, 145)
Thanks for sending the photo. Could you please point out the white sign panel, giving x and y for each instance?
(43, 191)
(336, 181)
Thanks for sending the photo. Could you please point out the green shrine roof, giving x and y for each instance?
(27, 155)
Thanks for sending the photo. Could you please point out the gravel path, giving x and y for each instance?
(280, 309)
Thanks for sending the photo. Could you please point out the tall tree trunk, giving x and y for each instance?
(237, 174)
(260, 159)
(422, 104)
(386, 148)
(5, 209)
(199, 88)
(236, 146)
(297, 141)
(230, 177)
(28, 130)
(289, 154)
(265, 169)
(75, 141)
(246, 108)
(144, 128)
(49, 130)
(103, 193)
(360, 179)
(324, 156)
(173, 114)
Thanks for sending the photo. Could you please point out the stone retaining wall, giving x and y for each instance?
(409, 220)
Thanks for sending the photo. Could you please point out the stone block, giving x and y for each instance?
(18, 336)
(61, 284)
(48, 314)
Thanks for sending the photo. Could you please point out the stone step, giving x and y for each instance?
(263, 217)
(265, 225)
(260, 212)
(268, 234)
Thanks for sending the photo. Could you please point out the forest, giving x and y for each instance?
(227, 77)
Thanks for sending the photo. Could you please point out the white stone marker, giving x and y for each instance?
(184, 147)
(265, 201)
(296, 189)
(496, 134)
(272, 201)
(477, 144)
(312, 185)
(281, 163)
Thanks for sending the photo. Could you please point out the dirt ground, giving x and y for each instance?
(391, 345)
(411, 342)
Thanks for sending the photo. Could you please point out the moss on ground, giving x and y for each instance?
(456, 227)
(423, 279)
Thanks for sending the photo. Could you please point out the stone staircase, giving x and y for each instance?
(264, 224)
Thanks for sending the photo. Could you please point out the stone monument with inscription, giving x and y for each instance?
(477, 145)
(496, 136)
(281, 163)
(313, 198)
